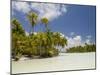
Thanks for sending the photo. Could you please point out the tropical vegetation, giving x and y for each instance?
(41, 44)
(79, 49)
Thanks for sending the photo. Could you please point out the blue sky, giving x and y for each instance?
(76, 22)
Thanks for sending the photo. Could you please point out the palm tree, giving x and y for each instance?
(32, 17)
(39, 42)
(45, 21)
(17, 27)
(59, 41)
(49, 36)
(18, 35)
(63, 41)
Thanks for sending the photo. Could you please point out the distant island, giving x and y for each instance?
(82, 49)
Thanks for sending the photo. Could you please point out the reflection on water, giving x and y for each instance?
(65, 61)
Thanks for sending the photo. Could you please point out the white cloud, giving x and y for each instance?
(78, 41)
(21, 6)
(72, 33)
(75, 41)
(77, 38)
(50, 11)
(88, 39)
(63, 9)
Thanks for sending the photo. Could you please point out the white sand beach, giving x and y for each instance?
(65, 61)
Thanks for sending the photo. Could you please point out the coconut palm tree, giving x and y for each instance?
(32, 17)
(45, 21)
(17, 27)
(18, 35)
(48, 34)
(59, 41)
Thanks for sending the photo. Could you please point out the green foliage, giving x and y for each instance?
(42, 44)
(86, 48)
(44, 20)
(32, 17)
(58, 40)
(16, 27)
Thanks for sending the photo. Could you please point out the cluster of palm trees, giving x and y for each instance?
(42, 44)
(81, 49)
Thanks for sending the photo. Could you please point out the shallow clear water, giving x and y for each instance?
(65, 61)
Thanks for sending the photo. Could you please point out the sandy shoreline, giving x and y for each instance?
(65, 61)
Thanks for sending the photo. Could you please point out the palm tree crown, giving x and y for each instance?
(45, 21)
(32, 17)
